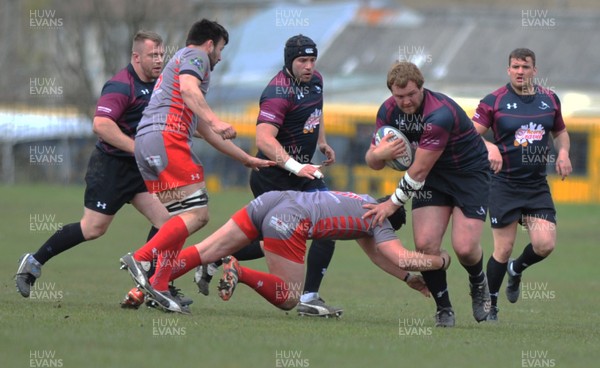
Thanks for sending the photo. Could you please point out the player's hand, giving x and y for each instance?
(311, 172)
(380, 212)
(563, 165)
(446, 256)
(417, 283)
(494, 157)
(390, 148)
(329, 154)
(223, 129)
(256, 163)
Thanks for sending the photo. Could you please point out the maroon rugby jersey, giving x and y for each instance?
(439, 124)
(123, 100)
(295, 109)
(521, 126)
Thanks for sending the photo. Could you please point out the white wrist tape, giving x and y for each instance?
(293, 166)
(406, 190)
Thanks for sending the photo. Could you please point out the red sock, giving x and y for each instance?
(167, 261)
(188, 258)
(267, 285)
(169, 236)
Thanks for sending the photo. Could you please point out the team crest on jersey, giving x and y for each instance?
(529, 133)
(198, 63)
(312, 122)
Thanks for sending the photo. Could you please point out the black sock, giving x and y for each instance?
(66, 238)
(436, 283)
(151, 233)
(249, 252)
(495, 275)
(476, 275)
(317, 261)
(526, 259)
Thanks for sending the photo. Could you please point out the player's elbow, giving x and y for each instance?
(99, 126)
(373, 163)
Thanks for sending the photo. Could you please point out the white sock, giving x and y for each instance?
(305, 298)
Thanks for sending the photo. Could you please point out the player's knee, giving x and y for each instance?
(93, 231)
(203, 221)
(201, 218)
(193, 209)
(502, 255)
(543, 249)
(427, 247)
(467, 254)
(289, 304)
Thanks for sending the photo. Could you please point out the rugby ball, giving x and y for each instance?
(403, 162)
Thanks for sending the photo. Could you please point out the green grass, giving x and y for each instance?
(86, 327)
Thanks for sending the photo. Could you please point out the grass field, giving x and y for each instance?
(76, 320)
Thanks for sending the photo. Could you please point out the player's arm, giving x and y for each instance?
(387, 149)
(494, 155)
(107, 130)
(323, 146)
(562, 144)
(423, 162)
(268, 144)
(414, 281)
(227, 147)
(411, 182)
(113, 103)
(483, 119)
(194, 99)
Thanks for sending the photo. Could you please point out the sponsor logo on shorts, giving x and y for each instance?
(279, 225)
(155, 161)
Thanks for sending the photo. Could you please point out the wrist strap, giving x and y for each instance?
(293, 166)
(406, 189)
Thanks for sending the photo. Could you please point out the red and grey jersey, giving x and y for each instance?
(166, 111)
(439, 125)
(521, 125)
(295, 109)
(316, 215)
(123, 100)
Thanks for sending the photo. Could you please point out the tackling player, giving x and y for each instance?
(285, 221)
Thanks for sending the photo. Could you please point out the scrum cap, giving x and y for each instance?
(297, 46)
